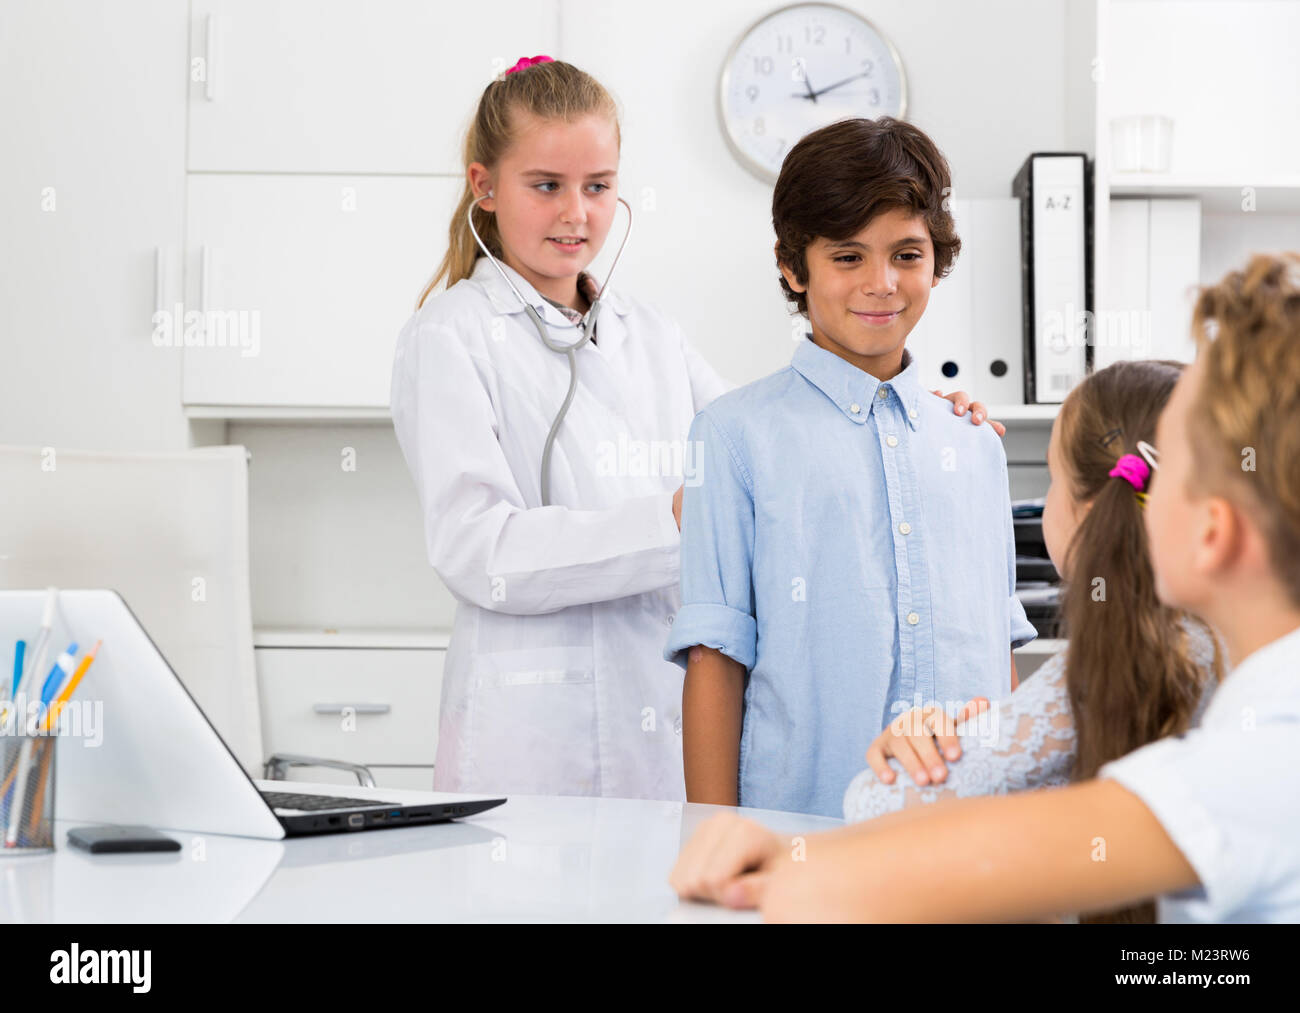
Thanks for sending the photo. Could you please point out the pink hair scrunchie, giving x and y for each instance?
(1132, 469)
(526, 62)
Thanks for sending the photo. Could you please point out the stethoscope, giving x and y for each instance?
(587, 325)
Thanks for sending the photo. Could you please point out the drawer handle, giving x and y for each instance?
(210, 56)
(158, 283)
(356, 708)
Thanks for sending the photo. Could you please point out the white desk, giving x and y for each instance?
(534, 859)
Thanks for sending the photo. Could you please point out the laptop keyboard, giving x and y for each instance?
(290, 800)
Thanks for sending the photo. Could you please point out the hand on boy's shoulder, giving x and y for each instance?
(975, 412)
(941, 411)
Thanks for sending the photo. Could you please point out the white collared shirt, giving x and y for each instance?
(554, 682)
(1226, 794)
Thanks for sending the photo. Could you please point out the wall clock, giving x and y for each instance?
(800, 68)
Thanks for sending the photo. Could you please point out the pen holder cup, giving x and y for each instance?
(27, 735)
(26, 788)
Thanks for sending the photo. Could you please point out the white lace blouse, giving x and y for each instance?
(1026, 742)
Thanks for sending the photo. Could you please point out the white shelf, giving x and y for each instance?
(1041, 646)
(276, 413)
(1273, 193)
(392, 639)
(382, 416)
(1024, 412)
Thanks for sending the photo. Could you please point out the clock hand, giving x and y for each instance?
(808, 84)
(829, 87)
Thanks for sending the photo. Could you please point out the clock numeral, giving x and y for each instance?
(867, 67)
(814, 34)
(752, 92)
(848, 43)
(784, 44)
(875, 96)
(758, 127)
(762, 65)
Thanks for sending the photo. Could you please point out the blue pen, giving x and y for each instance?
(19, 651)
(35, 662)
(60, 672)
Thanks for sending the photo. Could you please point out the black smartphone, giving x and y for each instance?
(112, 838)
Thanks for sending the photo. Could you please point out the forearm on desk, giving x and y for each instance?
(712, 708)
(1019, 857)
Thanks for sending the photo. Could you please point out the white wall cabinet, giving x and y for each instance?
(342, 86)
(304, 282)
(91, 218)
(395, 697)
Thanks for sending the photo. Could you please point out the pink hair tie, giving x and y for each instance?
(525, 62)
(1133, 470)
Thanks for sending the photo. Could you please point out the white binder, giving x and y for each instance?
(969, 336)
(1054, 240)
(1153, 268)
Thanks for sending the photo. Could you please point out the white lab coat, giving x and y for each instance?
(555, 681)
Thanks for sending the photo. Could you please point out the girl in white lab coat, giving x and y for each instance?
(554, 681)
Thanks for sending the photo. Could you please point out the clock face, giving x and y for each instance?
(798, 69)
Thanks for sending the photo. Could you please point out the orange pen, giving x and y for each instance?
(53, 714)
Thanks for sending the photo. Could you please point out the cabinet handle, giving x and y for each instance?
(357, 708)
(203, 281)
(158, 279)
(210, 79)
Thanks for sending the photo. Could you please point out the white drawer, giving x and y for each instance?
(394, 694)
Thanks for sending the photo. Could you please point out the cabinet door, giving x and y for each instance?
(304, 282)
(361, 705)
(91, 218)
(345, 86)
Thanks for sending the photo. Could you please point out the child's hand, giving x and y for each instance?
(910, 739)
(978, 412)
(728, 862)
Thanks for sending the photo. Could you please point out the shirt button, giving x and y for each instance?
(905, 528)
(911, 412)
(913, 618)
(855, 408)
(668, 620)
(892, 440)
(882, 393)
(677, 725)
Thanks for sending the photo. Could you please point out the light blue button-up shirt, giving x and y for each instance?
(850, 543)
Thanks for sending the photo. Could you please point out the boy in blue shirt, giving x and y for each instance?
(848, 552)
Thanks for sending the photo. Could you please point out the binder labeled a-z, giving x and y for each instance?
(1055, 192)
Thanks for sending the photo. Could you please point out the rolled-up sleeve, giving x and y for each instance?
(1022, 630)
(717, 552)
